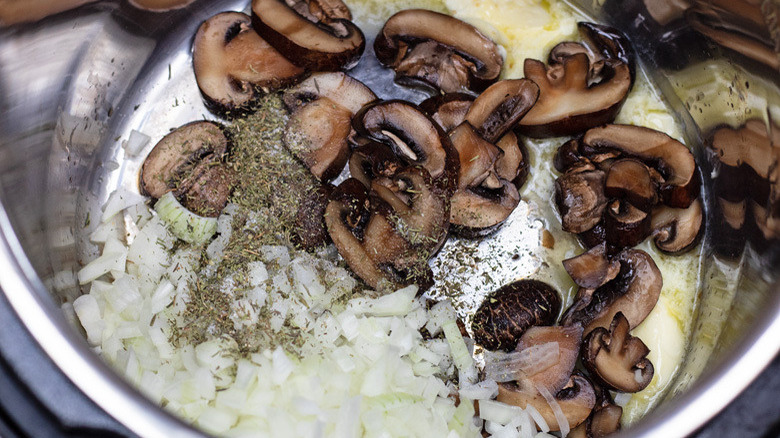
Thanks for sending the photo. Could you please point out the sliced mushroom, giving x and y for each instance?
(234, 66)
(448, 110)
(501, 106)
(670, 157)
(568, 103)
(603, 421)
(318, 39)
(513, 164)
(609, 42)
(579, 195)
(625, 225)
(189, 161)
(438, 51)
(507, 313)
(631, 181)
(322, 108)
(634, 292)
(592, 269)
(568, 155)
(414, 137)
(346, 216)
(576, 401)
(407, 221)
(555, 377)
(310, 229)
(677, 229)
(618, 359)
(373, 160)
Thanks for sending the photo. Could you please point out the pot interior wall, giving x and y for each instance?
(71, 87)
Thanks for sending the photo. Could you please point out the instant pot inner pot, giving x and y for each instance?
(74, 85)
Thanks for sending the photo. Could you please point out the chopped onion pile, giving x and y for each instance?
(362, 367)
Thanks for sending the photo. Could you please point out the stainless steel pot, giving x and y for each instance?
(72, 84)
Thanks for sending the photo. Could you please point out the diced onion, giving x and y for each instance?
(135, 142)
(183, 223)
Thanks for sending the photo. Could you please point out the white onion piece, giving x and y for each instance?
(622, 398)
(135, 143)
(183, 223)
(501, 413)
(563, 423)
(119, 200)
(485, 390)
(507, 367)
(538, 418)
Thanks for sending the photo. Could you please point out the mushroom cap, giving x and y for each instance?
(616, 358)
(634, 292)
(677, 229)
(507, 313)
(501, 106)
(592, 269)
(234, 66)
(448, 110)
(175, 157)
(310, 229)
(625, 225)
(568, 103)
(579, 196)
(630, 180)
(317, 43)
(670, 157)
(413, 136)
(438, 44)
(322, 108)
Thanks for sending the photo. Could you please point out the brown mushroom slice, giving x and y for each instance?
(568, 339)
(513, 164)
(320, 124)
(634, 292)
(567, 103)
(346, 216)
(618, 359)
(676, 229)
(338, 87)
(477, 156)
(448, 110)
(507, 313)
(478, 211)
(327, 44)
(437, 50)
(603, 421)
(373, 160)
(625, 225)
(630, 180)
(500, 106)
(317, 134)
(413, 136)
(234, 66)
(592, 269)
(579, 196)
(609, 42)
(568, 155)
(310, 231)
(576, 401)
(206, 189)
(670, 157)
(175, 156)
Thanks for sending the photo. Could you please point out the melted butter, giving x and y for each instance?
(467, 270)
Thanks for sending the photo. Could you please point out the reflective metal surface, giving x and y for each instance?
(73, 85)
